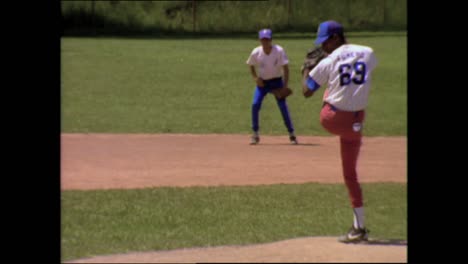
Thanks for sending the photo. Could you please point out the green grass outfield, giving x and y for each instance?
(119, 221)
(178, 85)
(204, 86)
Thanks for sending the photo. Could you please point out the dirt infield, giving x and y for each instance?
(109, 161)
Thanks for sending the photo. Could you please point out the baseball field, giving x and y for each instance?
(156, 166)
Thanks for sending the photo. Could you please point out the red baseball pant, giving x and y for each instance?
(348, 126)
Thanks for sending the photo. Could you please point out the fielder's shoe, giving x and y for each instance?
(355, 235)
(255, 139)
(293, 140)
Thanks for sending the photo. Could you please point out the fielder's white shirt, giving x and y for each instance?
(269, 65)
(347, 73)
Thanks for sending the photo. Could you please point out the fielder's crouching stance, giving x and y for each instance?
(273, 77)
(346, 72)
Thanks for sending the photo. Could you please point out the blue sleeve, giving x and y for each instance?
(312, 85)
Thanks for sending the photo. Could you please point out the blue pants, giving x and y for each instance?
(258, 97)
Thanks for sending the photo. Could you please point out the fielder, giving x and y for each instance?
(346, 72)
(273, 77)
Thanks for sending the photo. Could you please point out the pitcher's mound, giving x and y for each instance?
(310, 249)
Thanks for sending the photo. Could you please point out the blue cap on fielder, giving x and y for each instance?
(327, 29)
(265, 33)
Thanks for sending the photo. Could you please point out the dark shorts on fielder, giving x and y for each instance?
(268, 85)
(272, 84)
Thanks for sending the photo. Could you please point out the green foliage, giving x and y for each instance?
(162, 17)
(119, 221)
(204, 86)
(395, 14)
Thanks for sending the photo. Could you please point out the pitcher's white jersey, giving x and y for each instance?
(347, 72)
(269, 65)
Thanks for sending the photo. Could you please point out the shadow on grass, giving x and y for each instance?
(387, 242)
(287, 144)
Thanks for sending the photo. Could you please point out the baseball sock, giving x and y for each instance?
(358, 217)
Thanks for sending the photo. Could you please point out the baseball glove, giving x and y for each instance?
(313, 57)
(282, 93)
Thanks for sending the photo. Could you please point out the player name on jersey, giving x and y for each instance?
(350, 55)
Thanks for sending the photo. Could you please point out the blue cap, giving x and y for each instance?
(264, 33)
(326, 30)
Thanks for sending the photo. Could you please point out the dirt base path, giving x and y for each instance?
(101, 161)
(109, 161)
